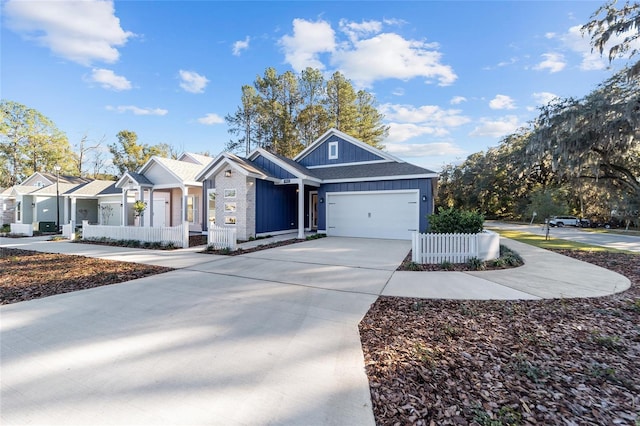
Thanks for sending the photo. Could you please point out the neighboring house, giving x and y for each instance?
(170, 189)
(34, 200)
(338, 185)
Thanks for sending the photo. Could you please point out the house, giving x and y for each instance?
(34, 200)
(170, 189)
(338, 185)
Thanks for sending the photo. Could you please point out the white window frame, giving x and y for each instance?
(333, 150)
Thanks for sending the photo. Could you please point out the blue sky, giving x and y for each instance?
(452, 77)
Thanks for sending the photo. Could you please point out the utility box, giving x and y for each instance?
(47, 227)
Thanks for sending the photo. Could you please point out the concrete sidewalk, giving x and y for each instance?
(545, 274)
(269, 337)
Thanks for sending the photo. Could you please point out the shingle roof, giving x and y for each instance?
(141, 179)
(62, 189)
(91, 189)
(203, 159)
(186, 171)
(370, 171)
(299, 167)
(65, 178)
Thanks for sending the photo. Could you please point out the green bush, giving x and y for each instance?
(452, 221)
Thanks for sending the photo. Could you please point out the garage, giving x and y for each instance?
(379, 214)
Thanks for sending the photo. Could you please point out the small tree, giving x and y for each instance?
(452, 221)
(139, 207)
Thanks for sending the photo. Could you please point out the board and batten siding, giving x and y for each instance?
(347, 153)
(272, 168)
(276, 207)
(423, 185)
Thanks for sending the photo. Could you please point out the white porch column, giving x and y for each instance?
(124, 206)
(151, 207)
(300, 210)
(34, 209)
(185, 193)
(141, 194)
(74, 210)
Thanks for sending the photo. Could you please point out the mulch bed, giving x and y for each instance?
(30, 275)
(569, 361)
(253, 249)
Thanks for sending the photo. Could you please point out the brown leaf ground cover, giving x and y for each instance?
(26, 275)
(549, 362)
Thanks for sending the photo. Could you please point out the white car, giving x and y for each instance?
(561, 221)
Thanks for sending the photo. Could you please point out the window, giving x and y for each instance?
(333, 150)
(192, 209)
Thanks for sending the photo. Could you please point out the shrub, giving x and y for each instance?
(476, 264)
(452, 221)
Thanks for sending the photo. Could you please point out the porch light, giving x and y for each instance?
(227, 173)
(321, 200)
(33, 205)
(424, 198)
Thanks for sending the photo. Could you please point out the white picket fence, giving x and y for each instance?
(22, 228)
(178, 235)
(222, 237)
(454, 248)
(69, 230)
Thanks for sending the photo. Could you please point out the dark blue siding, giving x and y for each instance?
(347, 153)
(272, 168)
(424, 185)
(276, 207)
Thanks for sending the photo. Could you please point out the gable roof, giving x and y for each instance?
(289, 165)
(334, 132)
(51, 178)
(141, 180)
(244, 166)
(195, 158)
(183, 171)
(92, 188)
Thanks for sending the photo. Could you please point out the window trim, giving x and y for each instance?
(333, 150)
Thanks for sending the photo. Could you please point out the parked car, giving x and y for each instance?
(585, 223)
(561, 221)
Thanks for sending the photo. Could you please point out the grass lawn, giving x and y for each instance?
(553, 243)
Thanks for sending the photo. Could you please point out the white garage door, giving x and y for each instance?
(383, 214)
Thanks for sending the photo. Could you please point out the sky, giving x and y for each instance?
(452, 78)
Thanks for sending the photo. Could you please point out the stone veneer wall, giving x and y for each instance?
(245, 202)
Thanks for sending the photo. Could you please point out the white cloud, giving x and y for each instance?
(81, 31)
(543, 98)
(575, 41)
(309, 39)
(240, 45)
(356, 30)
(497, 128)
(193, 82)
(395, 57)
(109, 80)
(427, 114)
(502, 102)
(424, 150)
(554, 62)
(137, 110)
(398, 91)
(211, 119)
(366, 55)
(400, 132)
(456, 100)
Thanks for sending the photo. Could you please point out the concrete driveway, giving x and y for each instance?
(256, 339)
